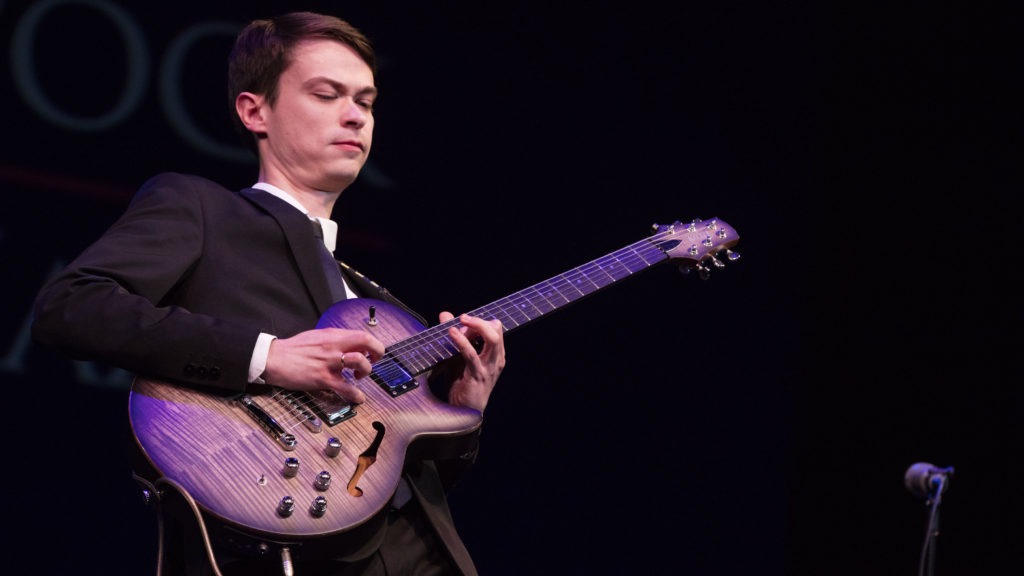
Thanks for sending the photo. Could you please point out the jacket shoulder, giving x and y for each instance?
(179, 185)
(181, 179)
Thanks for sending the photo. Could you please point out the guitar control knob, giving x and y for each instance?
(286, 507)
(333, 447)
(318, 507)
(291, 467)
(323, 480)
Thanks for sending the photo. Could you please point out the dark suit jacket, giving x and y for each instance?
(181, 285)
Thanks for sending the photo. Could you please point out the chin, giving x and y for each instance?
(339, 181)
(348, 170)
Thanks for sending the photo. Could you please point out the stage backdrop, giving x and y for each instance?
(759, 421)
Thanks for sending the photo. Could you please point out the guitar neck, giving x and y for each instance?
(425, 350)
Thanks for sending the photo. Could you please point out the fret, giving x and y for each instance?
(432, 346)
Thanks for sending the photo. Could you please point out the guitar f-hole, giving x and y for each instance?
(365, 460)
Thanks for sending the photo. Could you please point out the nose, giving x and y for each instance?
(353, 114)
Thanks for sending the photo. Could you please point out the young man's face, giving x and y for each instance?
(319, 131)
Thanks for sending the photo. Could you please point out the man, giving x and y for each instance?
(215, 289)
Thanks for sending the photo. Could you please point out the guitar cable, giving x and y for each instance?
(153, 487)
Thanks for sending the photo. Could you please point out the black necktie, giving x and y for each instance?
(330, 265)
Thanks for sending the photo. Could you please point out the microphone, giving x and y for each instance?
(923, 479)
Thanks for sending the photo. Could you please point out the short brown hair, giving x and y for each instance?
(263, 49)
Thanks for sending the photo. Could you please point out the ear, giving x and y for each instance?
(249, 108)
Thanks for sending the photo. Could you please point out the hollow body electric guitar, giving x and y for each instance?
(289, 465)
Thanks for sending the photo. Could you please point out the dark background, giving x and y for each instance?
(757, 422)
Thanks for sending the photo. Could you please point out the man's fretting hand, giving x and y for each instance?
(474, 386)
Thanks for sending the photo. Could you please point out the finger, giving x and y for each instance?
(373, 348)
(348, 390)
(490, 331)
(366, 344)
(465, 346)
(358, 362)
(445, 316)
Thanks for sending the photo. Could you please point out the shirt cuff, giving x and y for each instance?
(258, 364)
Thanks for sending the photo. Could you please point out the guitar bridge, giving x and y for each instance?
(307, 409)
(268, 423)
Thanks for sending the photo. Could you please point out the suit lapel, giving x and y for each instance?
(296, 229)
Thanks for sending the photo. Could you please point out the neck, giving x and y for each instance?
(319, 203)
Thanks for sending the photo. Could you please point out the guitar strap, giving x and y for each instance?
(425, 482)
(366, 287)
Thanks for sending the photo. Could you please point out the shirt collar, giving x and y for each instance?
(330, 226)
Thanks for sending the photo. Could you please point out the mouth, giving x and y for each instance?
(349, 144)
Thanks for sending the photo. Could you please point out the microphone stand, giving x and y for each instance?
(926, 565)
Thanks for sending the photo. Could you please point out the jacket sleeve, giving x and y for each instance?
(108, 304)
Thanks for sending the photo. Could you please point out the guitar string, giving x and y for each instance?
(610, 264)
(627, 259)
(288, 400)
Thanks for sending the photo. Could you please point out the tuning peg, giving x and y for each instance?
(732, 256)
(703, 271)
(716, 262)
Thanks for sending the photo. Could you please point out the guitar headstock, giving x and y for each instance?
(697, 243)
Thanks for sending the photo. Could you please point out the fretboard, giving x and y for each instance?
(432, 346)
